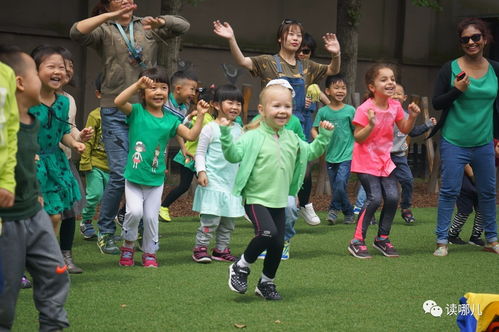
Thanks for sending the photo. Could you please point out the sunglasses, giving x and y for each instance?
(305, 51)
(290, 21)
(475, 38)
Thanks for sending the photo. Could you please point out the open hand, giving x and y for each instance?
(326, 125)
(202, 179)
(6, 198)
(331, 43)
(223, 30)
(150, 23)
(86, 134)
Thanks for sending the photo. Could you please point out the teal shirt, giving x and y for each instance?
(148, 137)
(341, 146)
(293, 124)
(472, 112)
(272, 167)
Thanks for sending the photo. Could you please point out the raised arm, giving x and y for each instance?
(225, 31)
(193, 133)
(318, 146)
(406, 125)
(233, 152)
(333, 47)
(122, 100)
(88, 25)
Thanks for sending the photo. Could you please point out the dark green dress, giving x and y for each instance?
(58, 185)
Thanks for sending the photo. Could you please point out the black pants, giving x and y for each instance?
(186, 176)
(306, 188)
(466, 202)
(269, 235)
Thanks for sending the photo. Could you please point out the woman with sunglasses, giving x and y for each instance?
(126, 45)
(466, 90)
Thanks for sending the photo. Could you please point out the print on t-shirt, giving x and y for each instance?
(137, 156)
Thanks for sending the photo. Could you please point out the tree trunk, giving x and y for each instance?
(168, 55)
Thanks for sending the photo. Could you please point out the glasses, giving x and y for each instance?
(120, 1)
(290, 21)
(305, 51)
(475, 38)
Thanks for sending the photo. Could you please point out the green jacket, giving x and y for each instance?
(245, 150)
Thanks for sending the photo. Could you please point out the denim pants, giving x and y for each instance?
(291, 215)
(454, 158)
(338, 178)
(115, 137)
(404, 176)
(361, 197)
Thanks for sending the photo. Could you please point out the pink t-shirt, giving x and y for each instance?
(373, 155)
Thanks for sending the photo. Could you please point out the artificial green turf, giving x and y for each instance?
(324, 288)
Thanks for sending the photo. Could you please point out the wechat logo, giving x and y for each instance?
(432, 308)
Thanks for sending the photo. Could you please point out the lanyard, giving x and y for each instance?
(130, 43)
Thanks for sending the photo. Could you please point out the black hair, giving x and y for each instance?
(66, 54)
(157, 74)
(41, 52)
(207, 94)
(100, 7)
(478, 24)
(98, 82)
(183, 75)
(228, 92)
(284, 28)
(308, 41)
(11, 56)
(334, 79)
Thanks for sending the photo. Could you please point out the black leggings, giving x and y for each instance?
(67, 233)
(269, 235)
(306, 188)
(186, 176)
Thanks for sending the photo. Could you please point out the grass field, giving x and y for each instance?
(324, 288)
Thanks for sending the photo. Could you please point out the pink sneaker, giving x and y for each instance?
(126, 257)
(223, 255)
(149, 260)
(200, 255)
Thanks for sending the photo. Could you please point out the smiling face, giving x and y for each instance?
(384, 83)
(52, 72)
(337, 90)
(471, 47)
(185, 91)
(276, 106)
(291, 39)
(229, 109)
(69, 71)
(399, 94)
(156, 95)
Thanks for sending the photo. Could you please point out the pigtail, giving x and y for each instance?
(253, 124)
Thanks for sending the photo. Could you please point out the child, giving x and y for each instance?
(213, 199)
(339, 152)
(150, 128)
(374, 121)
(268, 154)
(184, 85)
(94, 162)
(27, 238)
(466, 202)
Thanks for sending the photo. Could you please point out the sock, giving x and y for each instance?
(242, 262)
(264, 278)
(382, 237)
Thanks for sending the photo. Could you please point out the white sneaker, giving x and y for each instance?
(309, 215)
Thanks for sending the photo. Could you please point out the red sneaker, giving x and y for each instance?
(126, 257)
(200, 255)
(223, 256)
(149, 260)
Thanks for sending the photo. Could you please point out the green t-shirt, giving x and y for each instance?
(341, 146)
(148, 137)
(470, 119)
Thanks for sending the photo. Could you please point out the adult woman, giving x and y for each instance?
(126, 44)
(469, 103)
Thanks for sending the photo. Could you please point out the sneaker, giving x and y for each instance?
(87, 230)
(308, 213)
(200, 255)
(238, 278)
(359, 249)
(332, 216)
(477, 241)
(262, 255)
(408, 216)
(455, 240)
(356, 210)
(373, 221)
(385, 247)
(492, 248)
(267, 290)
(349, 219)
(441, 251)
(223, 255)
(285, 251)
(120, 217)
(25, 283)
(164, 214)
(106, 244)
(126, 257)
(149, 260)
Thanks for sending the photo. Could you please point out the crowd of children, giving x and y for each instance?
(234, 166)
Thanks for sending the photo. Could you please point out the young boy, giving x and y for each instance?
(94, 162)
(339, 151)
(183, 91)
(28, 239)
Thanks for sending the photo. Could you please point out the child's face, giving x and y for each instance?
(292, 39)
(186, 91)
(31, 82)
(69, 71)
(399, 94)
(156, 96)
(52, 71)
(229, 109)
(276, 107)
(384, 83)
(337, 91)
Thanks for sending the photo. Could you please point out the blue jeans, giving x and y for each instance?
(361, 197)
(454, 158)
(338, 178)
(291, 214)
(115, 137)
(404, 176)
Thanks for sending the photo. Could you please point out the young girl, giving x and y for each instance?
(214, 199)
(58, 186)
(150, 129)
(374, 121)
(273, 155)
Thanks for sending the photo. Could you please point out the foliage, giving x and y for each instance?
(433, 4)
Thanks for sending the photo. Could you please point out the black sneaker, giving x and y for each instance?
(238, 278)
(477, 241)
(25, 283)
(385, 247)
(267, 290)
(456, 240)
(358, 249)
(408, 216)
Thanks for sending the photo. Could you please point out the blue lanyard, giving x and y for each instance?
(130, 43)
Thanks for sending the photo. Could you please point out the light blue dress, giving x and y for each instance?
(217, 198)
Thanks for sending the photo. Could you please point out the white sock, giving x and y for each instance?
(242, 262)
(264, 278)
